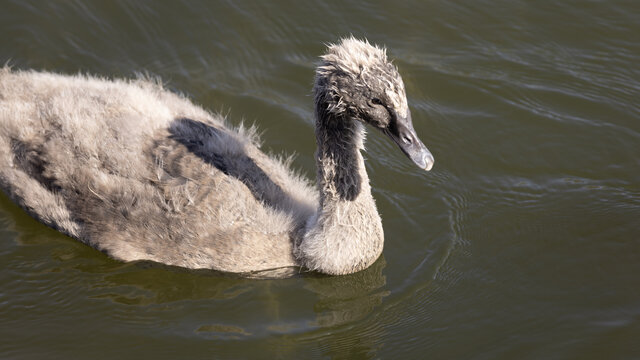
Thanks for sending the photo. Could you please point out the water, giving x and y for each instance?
(522, 243)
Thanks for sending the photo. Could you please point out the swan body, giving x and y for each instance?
(141, 173)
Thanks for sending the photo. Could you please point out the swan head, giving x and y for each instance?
(356, 80)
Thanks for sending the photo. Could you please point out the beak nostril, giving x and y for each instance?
(406, 139)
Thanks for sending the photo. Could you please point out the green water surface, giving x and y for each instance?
(523, 242)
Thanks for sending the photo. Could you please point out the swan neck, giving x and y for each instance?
(342, 175)
(345, 235)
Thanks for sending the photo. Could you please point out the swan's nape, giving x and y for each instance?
(140, 173)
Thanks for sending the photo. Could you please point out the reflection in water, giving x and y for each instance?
(339, 300)
(147, 283)
(348, 298)
(344, 300)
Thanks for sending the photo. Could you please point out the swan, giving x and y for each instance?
(141, 173)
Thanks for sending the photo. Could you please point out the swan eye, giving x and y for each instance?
(376, 101)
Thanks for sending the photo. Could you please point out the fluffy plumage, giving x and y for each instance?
(141, 173)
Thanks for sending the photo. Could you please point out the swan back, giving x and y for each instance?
(143, 174)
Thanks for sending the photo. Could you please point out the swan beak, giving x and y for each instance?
(406, 138)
